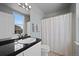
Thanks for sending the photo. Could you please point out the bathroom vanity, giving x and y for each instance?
(35, 50)
(30, 49)
(23, 46)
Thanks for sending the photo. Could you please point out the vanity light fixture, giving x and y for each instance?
(25, 6)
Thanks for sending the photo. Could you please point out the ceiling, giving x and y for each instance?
(47, 8)
(52, 7)
(14, 6)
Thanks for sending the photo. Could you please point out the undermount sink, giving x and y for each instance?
(27, 41)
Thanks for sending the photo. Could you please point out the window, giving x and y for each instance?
(19, 22)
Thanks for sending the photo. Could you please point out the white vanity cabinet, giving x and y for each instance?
(35, 50)
(20, 54)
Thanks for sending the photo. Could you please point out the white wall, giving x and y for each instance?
(77, 30)
(75, 27)
(35, 18)
(56, 13)
(73, 11)
(6, 25)
(6, 22)
(77, 22)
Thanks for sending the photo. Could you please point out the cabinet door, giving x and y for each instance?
(34, 50)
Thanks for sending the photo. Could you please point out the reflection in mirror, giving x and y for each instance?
(19, 22)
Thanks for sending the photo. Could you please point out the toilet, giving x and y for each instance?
(44, 50)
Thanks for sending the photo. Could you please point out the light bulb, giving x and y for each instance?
(23, 6)
(26, 4)
(18, 3)
(30, 7)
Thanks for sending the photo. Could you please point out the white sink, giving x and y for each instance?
(27, 40)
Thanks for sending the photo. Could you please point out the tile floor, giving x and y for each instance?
(51, 53)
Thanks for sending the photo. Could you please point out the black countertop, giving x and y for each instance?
(11, 40)
(26, 46)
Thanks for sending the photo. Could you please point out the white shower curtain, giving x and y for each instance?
(56, 32)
